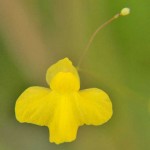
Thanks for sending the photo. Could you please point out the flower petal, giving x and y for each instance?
(64, 126)
(64, 65)
(95, 106)
(36, 105)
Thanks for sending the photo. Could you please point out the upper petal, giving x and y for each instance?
(95, 106)
(64, 65)
(36, 105)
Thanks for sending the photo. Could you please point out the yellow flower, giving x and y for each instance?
(62, 107)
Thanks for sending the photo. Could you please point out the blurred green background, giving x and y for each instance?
(36, 33)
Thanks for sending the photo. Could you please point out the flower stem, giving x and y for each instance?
(124, 12)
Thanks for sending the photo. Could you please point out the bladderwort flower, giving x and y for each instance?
(63, 107)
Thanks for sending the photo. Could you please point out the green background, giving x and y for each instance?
(36, 33)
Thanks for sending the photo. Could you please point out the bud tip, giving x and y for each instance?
(125, 11)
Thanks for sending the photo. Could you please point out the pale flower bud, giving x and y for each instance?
(125, 11)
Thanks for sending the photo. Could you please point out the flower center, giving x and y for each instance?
(65, 82)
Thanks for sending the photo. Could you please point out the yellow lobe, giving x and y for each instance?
(65, 82)
(35, 105)
(63, 65)
(95, 105)
(65, 123)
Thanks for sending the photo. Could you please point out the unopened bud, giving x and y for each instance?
(125, 11)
